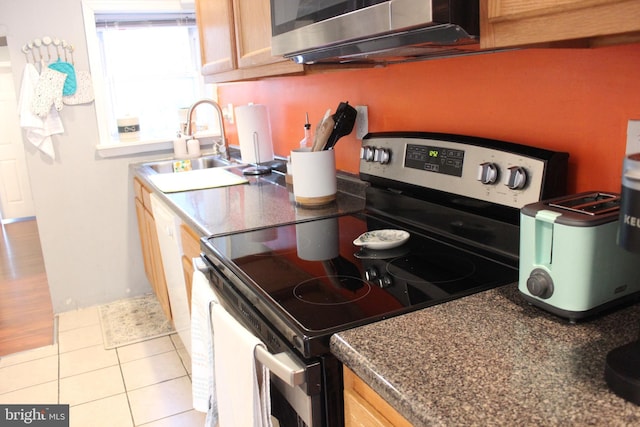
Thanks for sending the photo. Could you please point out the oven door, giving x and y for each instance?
(295, 392)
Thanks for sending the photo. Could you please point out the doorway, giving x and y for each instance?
(26, 312)
(15, 189)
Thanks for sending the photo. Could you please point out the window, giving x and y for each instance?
(145, 63)
(150, 71)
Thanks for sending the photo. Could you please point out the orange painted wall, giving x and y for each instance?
(567, 100)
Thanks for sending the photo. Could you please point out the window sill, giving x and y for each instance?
(119, 148)
(133, 147)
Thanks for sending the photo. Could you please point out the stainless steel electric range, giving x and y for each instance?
(295, 285)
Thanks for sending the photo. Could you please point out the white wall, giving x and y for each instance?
(84, 204)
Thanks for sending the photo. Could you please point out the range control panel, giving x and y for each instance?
(494, 171)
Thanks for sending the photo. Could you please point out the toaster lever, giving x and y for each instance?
(544, 236)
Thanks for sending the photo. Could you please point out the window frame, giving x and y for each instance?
(106, 147)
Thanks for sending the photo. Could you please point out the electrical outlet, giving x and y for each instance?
(362, 121)
(633, 136)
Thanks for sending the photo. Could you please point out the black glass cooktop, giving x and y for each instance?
(314, 275)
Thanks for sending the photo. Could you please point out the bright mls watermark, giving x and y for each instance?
(34, 415)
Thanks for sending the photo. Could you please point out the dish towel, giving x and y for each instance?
(48, 92)
(242, 383)
(38, 129)
(84, 90)
(203, 385)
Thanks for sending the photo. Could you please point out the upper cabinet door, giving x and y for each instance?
(217, 40)
(253, 33)
(510, 23)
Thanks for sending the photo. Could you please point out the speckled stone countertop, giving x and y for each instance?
(260, 203)
(492, 359)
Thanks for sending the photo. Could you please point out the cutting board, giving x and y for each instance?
(195, 180)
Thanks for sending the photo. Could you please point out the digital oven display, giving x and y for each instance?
(434, 159)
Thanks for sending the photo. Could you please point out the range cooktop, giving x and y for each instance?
(315, 276)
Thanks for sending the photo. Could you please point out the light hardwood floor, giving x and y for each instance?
(26, 314)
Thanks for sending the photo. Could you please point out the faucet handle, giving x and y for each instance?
(222, 148)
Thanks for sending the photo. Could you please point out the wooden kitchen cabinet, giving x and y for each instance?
(235, 41)
(145, 242)
(558, 23)
(253, 33)
(363, 407)
(217, 44)
(151, 255)
(190, 249)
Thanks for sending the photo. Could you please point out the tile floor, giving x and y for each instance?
(145, 384)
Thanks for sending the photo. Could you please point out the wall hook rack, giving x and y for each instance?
(46, 50)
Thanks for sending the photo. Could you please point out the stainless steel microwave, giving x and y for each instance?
(309, 31)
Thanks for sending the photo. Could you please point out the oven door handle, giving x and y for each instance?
(282, 366)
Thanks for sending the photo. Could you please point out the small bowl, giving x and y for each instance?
(382, 239)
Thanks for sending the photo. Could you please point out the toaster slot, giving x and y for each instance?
(596, 203)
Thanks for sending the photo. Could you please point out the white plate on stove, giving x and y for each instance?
(382, 239)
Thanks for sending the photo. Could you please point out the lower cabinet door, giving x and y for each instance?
(363, 407)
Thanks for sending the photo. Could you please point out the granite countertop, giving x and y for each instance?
(258, 204)
(492, 359)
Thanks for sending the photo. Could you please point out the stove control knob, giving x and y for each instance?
(517, 178)
(487, 173)
(382, 156)
(540, 284)
(367, 153)
(385, 281)
(371, 274)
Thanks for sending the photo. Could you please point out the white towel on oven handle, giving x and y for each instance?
(242, 383)
(203, 387)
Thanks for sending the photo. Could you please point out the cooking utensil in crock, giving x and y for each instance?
(323, 131)
(344, 119)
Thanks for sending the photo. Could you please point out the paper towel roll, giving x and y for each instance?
(254, 133)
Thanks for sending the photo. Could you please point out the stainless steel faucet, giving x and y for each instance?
(223, 139)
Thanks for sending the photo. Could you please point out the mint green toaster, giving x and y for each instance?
(570, 263)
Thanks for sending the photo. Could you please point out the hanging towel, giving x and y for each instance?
(242, 383)
(38, 130)
(48, 92)
(70, 85)
(202, 362)
(84, 90)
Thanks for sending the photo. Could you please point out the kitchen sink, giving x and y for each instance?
(205, 162)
